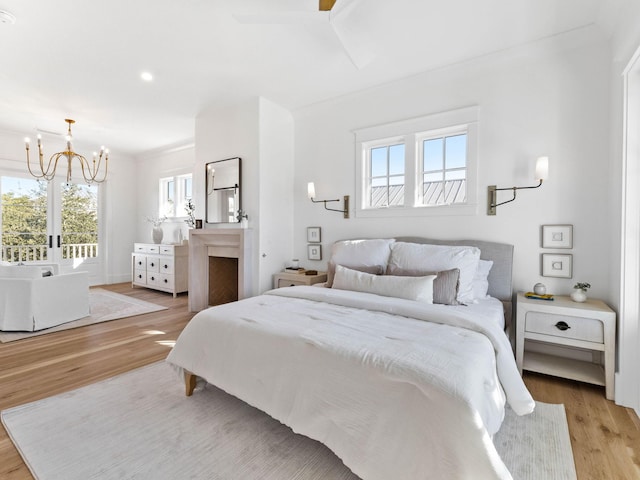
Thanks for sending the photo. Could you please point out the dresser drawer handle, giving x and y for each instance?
(562, 326)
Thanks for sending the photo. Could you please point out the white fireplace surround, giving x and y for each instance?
(220, 242)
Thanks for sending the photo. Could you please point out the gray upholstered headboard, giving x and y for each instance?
(500, 253)
(500, 276)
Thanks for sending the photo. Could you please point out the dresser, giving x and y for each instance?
(294, 279)
(161, 267)
(589, 326)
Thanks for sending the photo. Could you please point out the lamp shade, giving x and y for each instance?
(542, 168)
(311, 190)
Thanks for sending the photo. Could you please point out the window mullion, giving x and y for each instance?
(410, 171)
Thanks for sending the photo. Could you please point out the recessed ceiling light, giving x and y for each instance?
(146, 76)
(7, 17)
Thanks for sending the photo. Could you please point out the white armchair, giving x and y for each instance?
(30, 301)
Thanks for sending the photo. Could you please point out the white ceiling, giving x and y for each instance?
(82, 59)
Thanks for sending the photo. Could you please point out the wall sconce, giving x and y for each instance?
(542, 172)
(311, 193)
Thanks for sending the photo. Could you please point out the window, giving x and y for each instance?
(423, 166)
(386, 175)
(443, 161)
(175, 192)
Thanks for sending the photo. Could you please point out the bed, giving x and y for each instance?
(401, 366)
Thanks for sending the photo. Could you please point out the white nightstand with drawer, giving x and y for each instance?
(588, 326)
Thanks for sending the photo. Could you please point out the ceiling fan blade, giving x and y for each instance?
(356, 50)
(326, 5)
(282, 18)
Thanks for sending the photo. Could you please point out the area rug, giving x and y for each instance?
(104, 306)
(141, 425)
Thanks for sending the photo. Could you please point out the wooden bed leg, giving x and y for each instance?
(189, 383)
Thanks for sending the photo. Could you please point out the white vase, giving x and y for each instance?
(578, 295)
(157, 234)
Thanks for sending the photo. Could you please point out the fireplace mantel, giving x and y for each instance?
(219, 242)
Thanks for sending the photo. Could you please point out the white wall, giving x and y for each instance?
(150, 168)
(261, 134)
(547, 99)
(276, 191)
(625, 42)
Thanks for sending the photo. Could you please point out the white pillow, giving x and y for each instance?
(481, 279)
(435, 258)
(370, 255)
(410, 288)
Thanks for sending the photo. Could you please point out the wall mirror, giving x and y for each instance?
(223, 191)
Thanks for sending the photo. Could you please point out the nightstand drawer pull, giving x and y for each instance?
(562, 326)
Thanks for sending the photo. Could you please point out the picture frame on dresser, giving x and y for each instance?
(314, 252)
(559, 265)
(557, 236)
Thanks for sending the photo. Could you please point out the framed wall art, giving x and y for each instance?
(313, 234)
(557, 265)
(314, 252)
(557, 236)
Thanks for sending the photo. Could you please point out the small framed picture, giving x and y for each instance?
(557, 236)
(314, 252)
(198, 223)
(313, 234)
(557, 265)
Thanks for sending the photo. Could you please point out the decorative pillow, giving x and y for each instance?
(410, 288)
(481, 279)
(437, 258)
(370, 256)
(445, 286)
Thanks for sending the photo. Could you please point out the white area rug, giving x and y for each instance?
(104, 306)
(141, 425)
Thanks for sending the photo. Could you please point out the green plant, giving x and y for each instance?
(582, 286)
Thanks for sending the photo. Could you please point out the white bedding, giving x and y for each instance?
(394, 397)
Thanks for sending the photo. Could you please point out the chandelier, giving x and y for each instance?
(90, 170)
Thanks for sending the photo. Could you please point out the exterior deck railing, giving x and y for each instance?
(34, 253)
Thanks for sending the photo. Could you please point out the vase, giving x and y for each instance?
(579, 295)
(157, 234)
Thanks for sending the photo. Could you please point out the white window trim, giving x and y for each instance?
(411, 132)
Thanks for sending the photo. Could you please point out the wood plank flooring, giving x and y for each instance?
(605, 437)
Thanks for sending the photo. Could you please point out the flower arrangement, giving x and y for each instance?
(190, 209)
(157, 221)
(582, 286)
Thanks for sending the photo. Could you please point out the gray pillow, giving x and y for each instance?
(445, 286)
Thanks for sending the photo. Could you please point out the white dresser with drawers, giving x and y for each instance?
(161, 267)
(588, 327)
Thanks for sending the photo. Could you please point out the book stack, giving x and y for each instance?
(535, 296)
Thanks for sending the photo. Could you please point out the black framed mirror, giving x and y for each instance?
(223, 191)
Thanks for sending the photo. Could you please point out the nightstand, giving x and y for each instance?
(288, 279)
(588, 326)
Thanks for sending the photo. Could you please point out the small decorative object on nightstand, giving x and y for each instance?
(588, 326)
(579, 293)
(287, 279)
(540, 289)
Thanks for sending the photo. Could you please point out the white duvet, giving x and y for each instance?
(396, 388)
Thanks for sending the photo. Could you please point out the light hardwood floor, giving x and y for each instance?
(605, 437)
